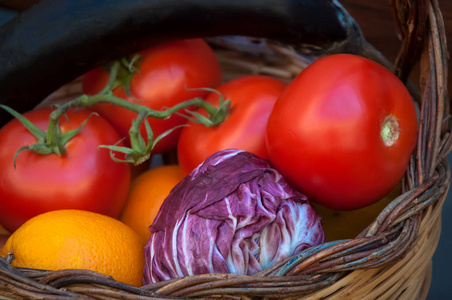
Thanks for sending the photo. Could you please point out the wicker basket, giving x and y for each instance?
(391, 259)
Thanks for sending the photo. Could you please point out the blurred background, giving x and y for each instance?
(375, 19)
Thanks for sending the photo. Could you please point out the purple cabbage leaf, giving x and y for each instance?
(233, 214)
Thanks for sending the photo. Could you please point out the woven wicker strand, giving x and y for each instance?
(391, 259)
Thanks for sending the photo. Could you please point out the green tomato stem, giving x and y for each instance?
(55, 140)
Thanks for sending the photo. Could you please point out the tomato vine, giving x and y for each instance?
(53, 141)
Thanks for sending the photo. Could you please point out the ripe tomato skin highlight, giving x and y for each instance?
(252, 99)
(324, 134)
(165, 74)
(84, 178)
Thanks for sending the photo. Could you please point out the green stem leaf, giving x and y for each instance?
(38, 133)
(65, 137)
(121, 72)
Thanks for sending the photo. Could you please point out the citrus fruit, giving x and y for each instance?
(76, 239)
(146, 195)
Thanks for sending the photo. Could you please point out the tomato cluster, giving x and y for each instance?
(167, 75)
(341, 132)
(86, 177)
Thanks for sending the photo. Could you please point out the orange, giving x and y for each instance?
(146, 195)
(76, 239)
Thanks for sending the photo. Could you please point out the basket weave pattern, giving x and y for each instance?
(391, 259)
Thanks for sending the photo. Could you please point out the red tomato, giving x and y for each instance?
(165, 74)
(84, 178)
(325, 132)
(252, 99)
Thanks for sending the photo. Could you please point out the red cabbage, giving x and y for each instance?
(233, 214)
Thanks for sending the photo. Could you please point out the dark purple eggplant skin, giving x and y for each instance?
(54, 42)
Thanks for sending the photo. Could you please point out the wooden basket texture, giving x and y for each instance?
(391, 259)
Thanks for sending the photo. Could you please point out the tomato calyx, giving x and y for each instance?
(390, 130)
(140, 151)
(127, 67)
(216, 115)
(53, 140)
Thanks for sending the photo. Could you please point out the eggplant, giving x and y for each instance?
(54, 42)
